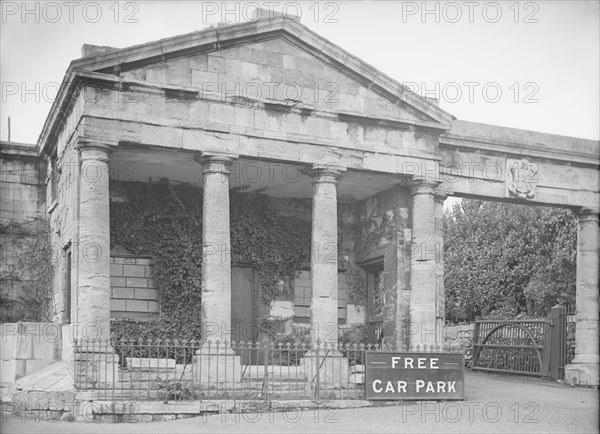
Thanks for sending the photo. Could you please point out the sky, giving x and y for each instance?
(529, 65)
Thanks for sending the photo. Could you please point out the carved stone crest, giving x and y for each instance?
(521, 179)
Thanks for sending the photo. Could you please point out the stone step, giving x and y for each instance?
(152, 376)
(257, 386)
(244, 385)
(159, 395)
(291, 377)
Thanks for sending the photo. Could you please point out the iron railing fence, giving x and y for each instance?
(166, 370)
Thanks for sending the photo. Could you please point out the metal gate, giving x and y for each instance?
(511, 346)
(539, 347)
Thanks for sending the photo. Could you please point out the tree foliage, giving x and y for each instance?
(506, 260)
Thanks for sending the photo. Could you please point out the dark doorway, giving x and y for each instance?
(243, 311)
(375, 302)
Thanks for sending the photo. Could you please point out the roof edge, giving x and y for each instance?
(235, 32)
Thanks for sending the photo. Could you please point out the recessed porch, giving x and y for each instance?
(364, 197)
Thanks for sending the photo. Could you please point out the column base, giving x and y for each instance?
(330, 367)
(582, 374)
(217, 367)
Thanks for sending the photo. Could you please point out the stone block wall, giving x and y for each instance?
(19, 188)
(133, 291)
(303, 294)
(249, 69)
(27, 347)
(21, 200)
(245, 91)
(63, 214)
(458, 334)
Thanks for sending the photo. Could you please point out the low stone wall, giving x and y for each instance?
(74, 407)
(41, 406)
(110, 411)
(27, 347)
(68, 407)
(459, 336)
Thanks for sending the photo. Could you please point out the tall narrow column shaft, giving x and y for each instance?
(324, 255)
(423, 267)
(216, 255)
(93, 258)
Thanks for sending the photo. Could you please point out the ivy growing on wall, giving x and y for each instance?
(367, 234)
(27, 266)
(164, 220)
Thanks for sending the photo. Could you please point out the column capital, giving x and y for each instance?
(423, 187)
(92, 148)
(328, 172)
(215, 162)
(439, 197)
(587, 215)
(84, 142)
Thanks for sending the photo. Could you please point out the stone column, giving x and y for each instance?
(93, 247)
(93, 363)
(216, 364)
(216, 255)
(440, 300)
(397, 295)
(423, 267)
(584, 367)
(323, 261)
(325, 364)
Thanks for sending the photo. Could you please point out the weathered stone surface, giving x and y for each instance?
(216, 258)
(423, 267)
(357, 378)
(54, 378)
(150, 364)
(282, 309)
(217, 370)
(27, 348)
(440, 293)
(133, 291)
(355, 314)
(324, 253)
(585, 366)
(330, 368)
(93, 285)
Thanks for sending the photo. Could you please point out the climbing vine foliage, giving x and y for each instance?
(367, 235)
(27, 265)
(164, 220)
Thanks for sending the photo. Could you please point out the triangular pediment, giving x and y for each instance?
(271, 59)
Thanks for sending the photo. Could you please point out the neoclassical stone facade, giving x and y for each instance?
(272, 94)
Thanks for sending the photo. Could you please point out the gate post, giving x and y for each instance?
(556, 349)
(475, 339)
(584, 368)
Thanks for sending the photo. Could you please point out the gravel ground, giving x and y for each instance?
(494, 404)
